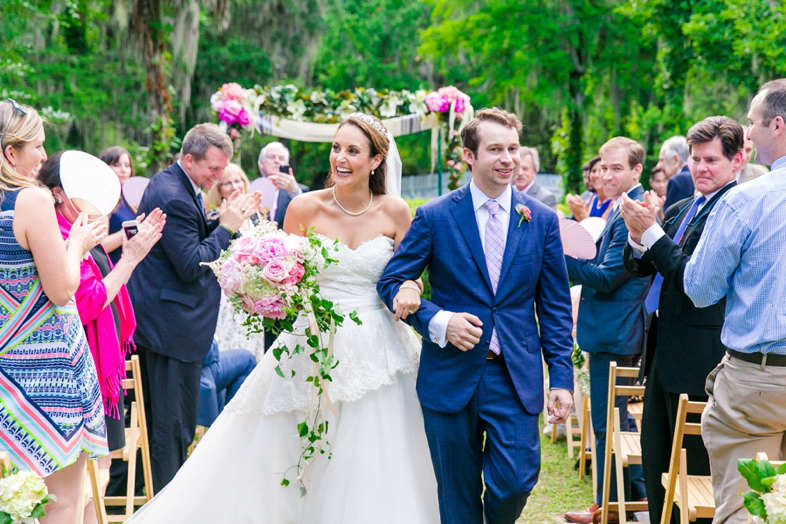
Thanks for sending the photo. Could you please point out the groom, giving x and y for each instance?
(493, 254)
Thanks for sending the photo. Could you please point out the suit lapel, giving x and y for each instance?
(189, 187)
(514, 235)
(464, 215)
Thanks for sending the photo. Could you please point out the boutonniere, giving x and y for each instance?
(524, 213)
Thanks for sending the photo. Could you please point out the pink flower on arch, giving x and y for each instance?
(232, 91)
(437, 102)
(233, 112)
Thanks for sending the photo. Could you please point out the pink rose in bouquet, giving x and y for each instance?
(270, 307)
(295, 274)
(243, 248)
(271, 248)
(274, 272)
(232, 91)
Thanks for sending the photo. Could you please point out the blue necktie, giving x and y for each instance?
(653, 297)
(201, 204)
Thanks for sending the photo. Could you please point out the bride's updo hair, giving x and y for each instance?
(377, 135)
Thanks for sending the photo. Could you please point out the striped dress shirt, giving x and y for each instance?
(740, 256)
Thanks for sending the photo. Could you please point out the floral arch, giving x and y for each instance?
(313, 115)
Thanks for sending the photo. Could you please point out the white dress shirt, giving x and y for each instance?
(438, 325)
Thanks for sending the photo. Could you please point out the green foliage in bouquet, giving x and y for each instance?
(767, 499)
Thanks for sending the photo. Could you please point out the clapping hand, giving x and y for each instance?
(87, 234)
(237, 208)
(150, 227)
(285, 181)
(639, 216)
(577, 207)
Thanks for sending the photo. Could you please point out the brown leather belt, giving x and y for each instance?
(756, 358)
(493, 356)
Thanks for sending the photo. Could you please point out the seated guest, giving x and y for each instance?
(120, 161)
(230, 332)
(588, 192)
(223, 372)
(525, 178)
(103, 303)
(715, 144)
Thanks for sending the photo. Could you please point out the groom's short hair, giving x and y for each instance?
(469, 135)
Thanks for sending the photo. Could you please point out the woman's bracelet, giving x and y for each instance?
(412, 286)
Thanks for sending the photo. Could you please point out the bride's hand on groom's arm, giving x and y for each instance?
(464, 331)
(407, 300)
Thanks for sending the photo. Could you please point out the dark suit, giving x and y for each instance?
(176, 304)
(463, 393)
(282, 204)
(610, 327)
(683, 346)
(680, 186)
(539, 192)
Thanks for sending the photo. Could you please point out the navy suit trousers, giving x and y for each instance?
(510, 459)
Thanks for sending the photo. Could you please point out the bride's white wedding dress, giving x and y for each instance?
(380, 470)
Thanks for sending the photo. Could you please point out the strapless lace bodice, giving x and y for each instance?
(369, 354)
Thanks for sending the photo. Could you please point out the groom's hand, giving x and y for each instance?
(464, 331)
(560, 402)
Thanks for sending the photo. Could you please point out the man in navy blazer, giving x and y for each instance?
(175, 298)
(611, 312)
(493, 255)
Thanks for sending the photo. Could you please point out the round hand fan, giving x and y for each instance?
(576, 241)
(89, 182)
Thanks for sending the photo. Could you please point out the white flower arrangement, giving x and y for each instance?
(23, 496)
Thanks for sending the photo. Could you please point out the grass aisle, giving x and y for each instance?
(558, 489)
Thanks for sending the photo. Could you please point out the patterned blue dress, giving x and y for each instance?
(50, 401)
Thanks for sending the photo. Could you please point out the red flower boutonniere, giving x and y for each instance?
(524, 213)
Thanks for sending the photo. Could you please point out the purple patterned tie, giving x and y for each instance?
(494, 250)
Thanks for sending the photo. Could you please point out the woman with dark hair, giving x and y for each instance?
(598, 205)
(103, 303)
(120, 161)
(378, 468)
(50, 400)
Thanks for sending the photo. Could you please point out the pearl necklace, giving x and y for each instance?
(351, 213)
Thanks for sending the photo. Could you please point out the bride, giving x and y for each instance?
(380, 468)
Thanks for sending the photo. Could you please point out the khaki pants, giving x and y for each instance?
(746, 414)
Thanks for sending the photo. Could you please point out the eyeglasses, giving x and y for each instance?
(17, 107)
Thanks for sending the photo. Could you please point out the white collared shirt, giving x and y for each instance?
(438, 325)
(197, 190)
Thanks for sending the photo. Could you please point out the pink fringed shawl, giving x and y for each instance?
(99, 322)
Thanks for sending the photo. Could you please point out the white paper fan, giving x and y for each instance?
(576, 241)
(89, 182)
(594, 225)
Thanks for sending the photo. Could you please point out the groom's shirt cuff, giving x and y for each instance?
(438, 327)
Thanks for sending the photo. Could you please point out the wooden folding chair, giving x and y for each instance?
(691, 493)
(624, 445)
(586, 437)
(91, 491)
(136, 439)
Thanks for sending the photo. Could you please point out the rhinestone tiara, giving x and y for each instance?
(370, 121)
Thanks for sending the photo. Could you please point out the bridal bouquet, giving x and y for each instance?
(767, 500)
(23, 496)
(271, 275)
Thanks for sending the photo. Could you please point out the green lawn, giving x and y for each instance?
(559, 489)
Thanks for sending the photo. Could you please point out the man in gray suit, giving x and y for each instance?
(524, 180)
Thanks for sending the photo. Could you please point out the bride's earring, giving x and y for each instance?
(372, 172)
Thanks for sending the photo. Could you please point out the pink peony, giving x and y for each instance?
(270, 249)
(437, 102)
(231, 111)
(274, 272)
(461, 104)
(230, 276)
(270, 307)
(295, 275)
(242, 249)
(232, 91)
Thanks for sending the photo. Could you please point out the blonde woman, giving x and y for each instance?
(51, 400)
(234, 179)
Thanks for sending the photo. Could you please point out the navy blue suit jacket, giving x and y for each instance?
(284, 199)
(679, 187)
(444, 239)
(611, 311)
(175, 298)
